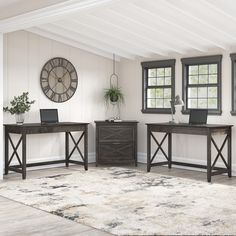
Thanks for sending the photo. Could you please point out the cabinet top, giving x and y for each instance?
(115, 122)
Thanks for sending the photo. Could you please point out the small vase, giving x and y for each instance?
(20, 118)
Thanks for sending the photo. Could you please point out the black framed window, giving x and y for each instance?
(202, 84)
(158, 85)
(233, 83)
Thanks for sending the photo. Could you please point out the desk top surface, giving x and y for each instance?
(187, 125)
(28, 125)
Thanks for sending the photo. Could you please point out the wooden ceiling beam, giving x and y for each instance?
(71, 35)
(73, 43)
(95, 34)
(48, 14)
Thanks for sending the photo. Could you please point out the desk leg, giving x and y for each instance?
(67, 148)
(229, 153)
(209, 157)
(86, 148)
(169, 150)
(148, 149)
(23, 156)
(6, 152)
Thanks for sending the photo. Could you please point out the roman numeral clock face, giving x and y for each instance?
(58, 79)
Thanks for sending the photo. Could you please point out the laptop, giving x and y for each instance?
(198, 116)
(49, 116)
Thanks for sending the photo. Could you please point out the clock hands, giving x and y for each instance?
(64, 75)
(56, 77)
(55, 85)
(58, 83)
(64, 85)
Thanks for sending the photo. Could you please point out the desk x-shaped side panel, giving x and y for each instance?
(36, 128)
(211, 167)
(76, 147)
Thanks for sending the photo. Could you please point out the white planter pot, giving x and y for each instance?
(20, 118)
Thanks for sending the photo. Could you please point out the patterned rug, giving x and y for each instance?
(130, 202)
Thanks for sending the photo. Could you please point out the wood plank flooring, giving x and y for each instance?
(17, 219)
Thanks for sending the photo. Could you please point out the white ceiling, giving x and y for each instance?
(10, 8)
(135, 28)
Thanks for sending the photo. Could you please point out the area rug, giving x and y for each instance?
(130, 202)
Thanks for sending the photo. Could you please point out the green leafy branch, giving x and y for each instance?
(20, 104)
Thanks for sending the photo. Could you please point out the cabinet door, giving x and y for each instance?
(116, 133)
(116, 152)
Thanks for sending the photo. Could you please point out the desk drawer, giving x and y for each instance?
(116, 152)
(116, 133)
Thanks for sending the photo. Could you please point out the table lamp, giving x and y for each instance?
(176, 102)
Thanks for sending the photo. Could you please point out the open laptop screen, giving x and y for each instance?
(49, 115)
(198, 116)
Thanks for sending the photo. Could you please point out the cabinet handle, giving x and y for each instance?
(116, 143)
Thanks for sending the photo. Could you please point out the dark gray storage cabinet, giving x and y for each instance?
(116, 142)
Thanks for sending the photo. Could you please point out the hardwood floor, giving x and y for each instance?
(18, 219)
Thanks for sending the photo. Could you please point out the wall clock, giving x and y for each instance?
(58, 79)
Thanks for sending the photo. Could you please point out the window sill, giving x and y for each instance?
(210, 112)
(156, 111)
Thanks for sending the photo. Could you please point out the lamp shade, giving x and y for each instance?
(178, 101)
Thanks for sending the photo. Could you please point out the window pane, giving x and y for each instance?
(151, 103)
(193, 79)
(212, 103)
(160, 72)
(212, 92)
(157, 87)
(168, 71)
(151, 93)
(160, 81)
(166, 103)
(202, 103)
(192, 92)
(203, 69)
(213, 69)
(202, 92)
(203, 79)
(167, 93)
(152, 72)
(167, 80)
(192, 103)
(152, 81)
(212, 79)
(201, 84)
(193, 70)
(159, 93)
(159, 103)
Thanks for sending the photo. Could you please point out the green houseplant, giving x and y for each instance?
(114, 95)
(19, 106)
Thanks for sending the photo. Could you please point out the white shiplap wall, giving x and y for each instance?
(25, 55)
(1, 113)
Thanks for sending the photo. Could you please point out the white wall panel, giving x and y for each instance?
(1, 102)
(26, 55)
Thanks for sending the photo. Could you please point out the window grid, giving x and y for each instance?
(167, 72)
(202, 84)
(158, 86)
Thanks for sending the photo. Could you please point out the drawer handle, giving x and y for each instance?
(116, 143)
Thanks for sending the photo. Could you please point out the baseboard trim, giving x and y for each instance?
(142, 158)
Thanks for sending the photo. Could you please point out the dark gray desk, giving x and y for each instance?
(206, 130)
(37, 128)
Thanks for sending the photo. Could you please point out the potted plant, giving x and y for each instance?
(114, 96)
(19, 106)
